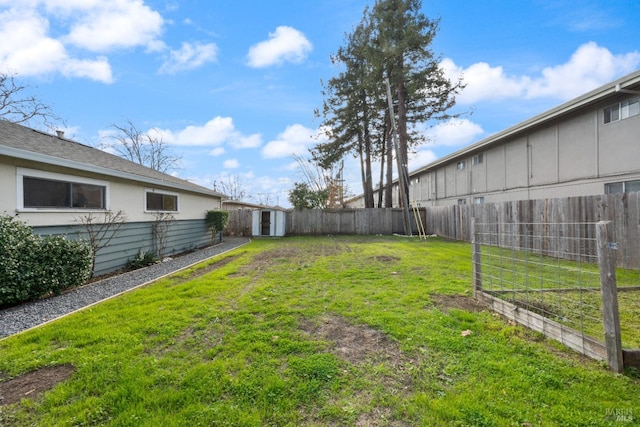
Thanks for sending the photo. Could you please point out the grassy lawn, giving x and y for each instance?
(375, 331)
(565, 291)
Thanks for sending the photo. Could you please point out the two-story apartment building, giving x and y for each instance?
(589, 145)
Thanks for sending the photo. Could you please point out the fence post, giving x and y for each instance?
(476, 258)
(610, 313)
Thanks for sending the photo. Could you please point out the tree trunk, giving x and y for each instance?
(382, 165)
(388, 188)
(403, 138)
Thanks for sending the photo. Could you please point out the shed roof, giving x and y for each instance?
(21, 142)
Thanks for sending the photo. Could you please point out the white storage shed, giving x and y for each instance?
(268, 223)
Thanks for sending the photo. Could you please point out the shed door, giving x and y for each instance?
(265, 223)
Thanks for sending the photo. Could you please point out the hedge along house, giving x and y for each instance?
(587, 146)
(52, 183)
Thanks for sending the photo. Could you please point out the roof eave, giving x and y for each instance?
(57, 161)
(568, 107)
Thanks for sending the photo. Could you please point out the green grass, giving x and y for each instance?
(248, 344)
(563, 290)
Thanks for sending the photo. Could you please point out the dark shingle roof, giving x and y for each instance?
(26, 143)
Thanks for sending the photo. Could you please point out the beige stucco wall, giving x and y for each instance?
(126, 196)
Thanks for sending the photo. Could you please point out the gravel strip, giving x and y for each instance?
(26, 316)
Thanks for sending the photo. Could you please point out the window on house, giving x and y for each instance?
(460, 165)
(162, 202)
(462, 201)
(622, 187)
(57, 194)
(477, 159)
(622, 110)
(478, 200)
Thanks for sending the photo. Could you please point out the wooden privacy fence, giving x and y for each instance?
(454, 222)
(320, 222)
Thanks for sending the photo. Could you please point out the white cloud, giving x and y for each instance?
(231, 164)
(216, 132)
(251, 141)
(484, 82)
(590, 66)
(294, 140)
(218, 151)
(421, 158)
(189, 57)
(29, 47)
(107, 25)
(453, 133)
(27, 50)
(285, 44)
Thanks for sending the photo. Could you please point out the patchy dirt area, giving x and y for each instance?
(359, 344)
(461, 302)
(354, 343)
(33, 384)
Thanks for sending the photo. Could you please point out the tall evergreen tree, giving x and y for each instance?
(393, 41)
(349, 107)
(422, 93)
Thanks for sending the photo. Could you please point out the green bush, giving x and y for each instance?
(217, 220)
(31, 267)
(143, 259)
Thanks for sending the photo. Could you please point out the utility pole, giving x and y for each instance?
(403, 179)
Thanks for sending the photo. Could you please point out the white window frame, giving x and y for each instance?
(478, 200)
(35, 173)
(625, 184)
(163, 192)
(626, 108)
(477, 159)
(460, 165)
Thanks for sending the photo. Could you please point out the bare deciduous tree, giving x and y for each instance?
(143, 148)
(320, 179)
(17, 106)
(161, 227)
(101, 231)
(231, 186)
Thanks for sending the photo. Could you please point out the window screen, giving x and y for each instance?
(48, 193)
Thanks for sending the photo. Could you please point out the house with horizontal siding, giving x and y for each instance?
(587, 146)
(52, 183)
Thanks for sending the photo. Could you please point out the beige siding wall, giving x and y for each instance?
(122, 195)
(478, 174)
(543, 156)
(8, 184)
(619, 148)
(516, 163)
(578, 147)
(494, 158)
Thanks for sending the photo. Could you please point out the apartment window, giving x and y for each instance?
(42, 193)
(460, 165)
(478, 200)
(477, 159)
(622, 187)
(162, 202)
(462, 201)
(622, 110)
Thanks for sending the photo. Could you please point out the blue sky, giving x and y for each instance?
(232, 86)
